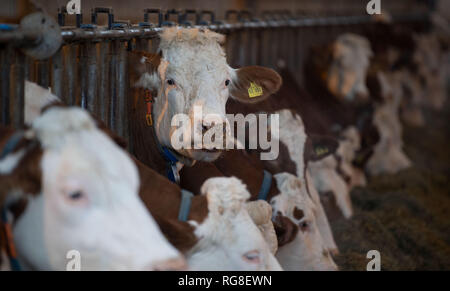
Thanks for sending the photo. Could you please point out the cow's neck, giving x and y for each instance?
(164, 199)
(145, 144)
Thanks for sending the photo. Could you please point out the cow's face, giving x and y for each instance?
(346, 75)
(88, 203)
(307, 251)
(192, 77)
(301, 149)
(229, 239)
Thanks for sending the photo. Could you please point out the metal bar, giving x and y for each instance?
(19, 37)
(91, 82)
(103, 91)
(42, 73)
(121, 102)
(57, 73)
(113, 59)
(17, 84)
(5, 66)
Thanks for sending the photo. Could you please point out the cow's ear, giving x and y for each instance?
(285, 229)
(253, 84)
(143, 69)
(318, 147)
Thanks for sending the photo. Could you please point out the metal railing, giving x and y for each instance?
(90, 67)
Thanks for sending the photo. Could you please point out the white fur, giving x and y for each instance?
(195, 60)
(308, 250)
(292, 134)
(36, 97)
(109, 225)
(9, 163)
(228, 233)
(347, 73)
(388, 156)
(325, 178)
(348, 146)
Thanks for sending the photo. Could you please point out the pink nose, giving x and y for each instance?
(175, 264)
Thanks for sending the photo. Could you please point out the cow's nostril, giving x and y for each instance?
(176, 264)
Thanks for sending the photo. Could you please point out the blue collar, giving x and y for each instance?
(11, 144)
(265, 186)
(185, 206)
(171, 160)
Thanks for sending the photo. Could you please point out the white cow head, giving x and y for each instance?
(229, 239)
(346, 77)
(308, 250)
(349, 144)
(88, 201)
(292, 134)
(191, 72)
(388, 156)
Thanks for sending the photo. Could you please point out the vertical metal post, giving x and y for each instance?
(42, 73)
(122, 121)
(57, 73)
(17, 84)
(113, 60)
(103, 87)
(5, 67)
(91, 82)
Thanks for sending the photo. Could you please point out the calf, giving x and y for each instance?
(388, 156)
(311, 250)
(65, 194)
(291, 101)
(218, 233)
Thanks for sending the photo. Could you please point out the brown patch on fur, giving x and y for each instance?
(268, 79)
(27, 174)
(285, 229)
(298, 213)
(179, 234)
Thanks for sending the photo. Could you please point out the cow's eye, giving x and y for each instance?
(171, 82)
(76, 195)
(227, 82)
(253, 257)
(304, 226)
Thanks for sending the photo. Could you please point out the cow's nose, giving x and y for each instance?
(175, 264)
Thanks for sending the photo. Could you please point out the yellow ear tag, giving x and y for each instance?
(254, 90)
(321, 151)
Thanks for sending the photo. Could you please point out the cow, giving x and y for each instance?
(299, 234)
(62, 193)
(206, 235)
(188, 72)
(292, 98)
(388, 156)
(218, 233)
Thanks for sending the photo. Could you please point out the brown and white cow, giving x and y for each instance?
(190, 71)
(67, 186)
(294, 212)
(207, 238)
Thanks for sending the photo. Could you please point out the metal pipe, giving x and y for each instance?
(17, 84)
(5, 66)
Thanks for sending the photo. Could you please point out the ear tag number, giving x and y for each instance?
(254, 90)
